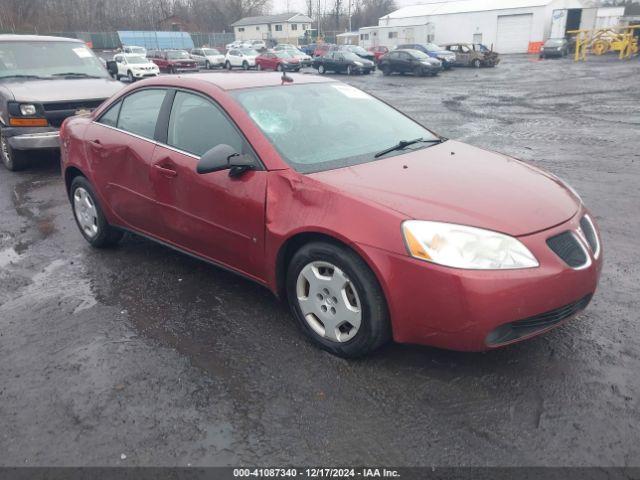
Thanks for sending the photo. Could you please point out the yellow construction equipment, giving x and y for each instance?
(619, 39)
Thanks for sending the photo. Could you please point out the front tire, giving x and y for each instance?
(130, 76)
(476, 63)
(337, 300)
(13, 160)
(321, 70)
(89, 217)
(207, 65)
(418, 72)
(227, 65)
(349, 70)
(245, 65)
(386, 71)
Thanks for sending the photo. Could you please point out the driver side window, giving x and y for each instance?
(196, 125)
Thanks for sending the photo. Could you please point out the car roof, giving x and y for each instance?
(36, 38)
(237, 81)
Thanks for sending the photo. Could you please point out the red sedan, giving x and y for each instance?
(279, 61)
(378, 52)
(387, 231)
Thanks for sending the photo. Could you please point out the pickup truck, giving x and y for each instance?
(44, 80)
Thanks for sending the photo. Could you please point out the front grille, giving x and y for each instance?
(57, 112)
(528, 326)
(589, 233)
(568, 248)
(73, 105)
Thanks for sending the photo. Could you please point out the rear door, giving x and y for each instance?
(213, 215)
(121, 146)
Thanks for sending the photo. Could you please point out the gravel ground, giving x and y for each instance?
(143, 356)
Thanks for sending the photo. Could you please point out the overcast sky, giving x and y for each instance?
(280, 6)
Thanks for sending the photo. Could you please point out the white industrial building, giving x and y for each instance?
(507, 25)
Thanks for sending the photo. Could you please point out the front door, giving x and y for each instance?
(121, 145)
(213, 215)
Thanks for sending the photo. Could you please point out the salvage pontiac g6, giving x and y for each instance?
(385, 230)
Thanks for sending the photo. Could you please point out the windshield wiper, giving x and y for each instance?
(37, 77)
(402, 144)
(74, 74)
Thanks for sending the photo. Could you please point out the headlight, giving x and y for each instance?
(359, 64)
(28, 110)
(459, 246)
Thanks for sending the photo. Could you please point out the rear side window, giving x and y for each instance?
(196, 126)
(110, 118)
(139, 112)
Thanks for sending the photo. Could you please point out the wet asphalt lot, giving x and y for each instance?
(143, 356)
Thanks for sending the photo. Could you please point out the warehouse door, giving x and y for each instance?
(514, 33)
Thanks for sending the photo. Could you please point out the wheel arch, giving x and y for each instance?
(291, 245)
(70, 173)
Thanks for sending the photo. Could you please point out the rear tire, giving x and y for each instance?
(349, 70)
(278, 68)
(346, 312)
(130, 77)
(418, 72)
(476, 63)
(89, 217)
(386, 71)
(321, 69)
(13, 160)
(227, 65)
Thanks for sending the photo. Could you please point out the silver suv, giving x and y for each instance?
(44, 80)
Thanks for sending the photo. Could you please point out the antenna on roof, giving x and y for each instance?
(286, 78)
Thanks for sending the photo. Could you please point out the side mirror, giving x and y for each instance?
(224, 157)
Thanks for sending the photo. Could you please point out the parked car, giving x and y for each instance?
(238, 44)
(409, 61)
(343, 62)
(44, 80)
(473, 55)
(134, 50)
(555, 47)
(279, 61)
(284, 46)
(378, 52)
(305, 60)
(309, 49)
(322, 49)
(207, 58)
(241, 57)
(359, 51)
(173, 61)
(386, 231)
(134, 67)
(447, 58)
(258, 45)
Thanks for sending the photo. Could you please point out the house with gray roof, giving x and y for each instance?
(284, 27)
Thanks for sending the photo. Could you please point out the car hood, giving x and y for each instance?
(60, 90)
(458, 183)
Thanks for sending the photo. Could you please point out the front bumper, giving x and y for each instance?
(447, 64)
(39, 138)
(461, 309)
(147, 74)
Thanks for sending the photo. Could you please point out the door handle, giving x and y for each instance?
(166, 170)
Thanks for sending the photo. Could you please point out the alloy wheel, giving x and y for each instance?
(86, 212)
(329, 301)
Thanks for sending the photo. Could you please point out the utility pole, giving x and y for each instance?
(349, 9)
